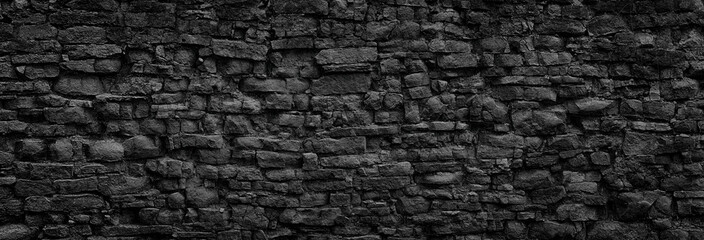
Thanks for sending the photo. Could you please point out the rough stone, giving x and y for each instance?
(458, 60)
(341, 84)
(239, 49)
(311, 216)
(346, 55)
(201, 197)
(82, 86)
(82, 34)
(140, 147)
(536, 122)
(533, 179)
(106, 150)
(16, 232)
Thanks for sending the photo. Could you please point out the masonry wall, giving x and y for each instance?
(351, 119)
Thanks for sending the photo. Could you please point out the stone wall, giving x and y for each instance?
(351, 119)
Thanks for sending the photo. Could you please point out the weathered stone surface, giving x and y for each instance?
(618, 230)
(108, 151)
(238, 125)
(311, 216)
(136, 230)
(341, 84)
(68, 115)
(552, 230)
(168, 167)
(305, 6)
(82, 86)
(26, 188)
(548, 195)
(384, 183)
(35, 58)
(82, 34)
(239, 49)
(77, 185)
(346, 55)
(562, 26)
(509, 93)
(94, 51)
(449, 46)
(352, 145)
(537, 122)
(589, 105)
(140, 147)
(267, 159)
(413, 205)
(643, 143)
(268, 85)
(442, 178)
(533, 179)
(201, 197)
(458, 60)
(196, 141)
(576, 212)
(16, 232)
(606, 24)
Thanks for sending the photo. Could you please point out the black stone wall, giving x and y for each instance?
(351, 119)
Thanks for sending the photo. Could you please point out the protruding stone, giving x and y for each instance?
(606, 24)
(536, 122)
(140, 147)
(346, 55)
(533, 179)
(196, 141)
(239, 49)
(16, 232)
(305, 6)
(201, 197)
(576, 212)
(106, 150)
(84, 85)
(458, 60)
(311, 216)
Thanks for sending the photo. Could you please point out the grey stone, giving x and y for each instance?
(16, 232)
(604, 230)
(239, 49)
(458, 60)
(311, 216)
(341, 84)
(533, 179)
(268, 159)
(576, 212)
(68, 115)
(196, 141)
(238, 124)
(304, 6)
(81, 86)
(93, 51)
(351, 145)
(82, 34)
(606, 24)
(530, 122)
(168, 167)
(201, 197)
(346, 55)
(140, 147)
(414, 205)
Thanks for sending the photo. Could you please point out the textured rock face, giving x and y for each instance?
(351, 119)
